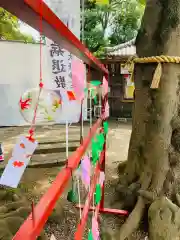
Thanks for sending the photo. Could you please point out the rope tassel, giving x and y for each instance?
(157, 77)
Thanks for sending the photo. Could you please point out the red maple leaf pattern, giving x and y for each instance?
(18, 164)
(25, 104)
(71, 95)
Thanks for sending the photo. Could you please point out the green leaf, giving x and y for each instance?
(102, 2)
(123, 17)
(98, 194)
(10, 27)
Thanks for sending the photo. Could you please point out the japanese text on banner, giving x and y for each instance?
(61, 66)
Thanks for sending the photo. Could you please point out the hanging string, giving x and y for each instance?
(82, 118)
(67, 140)
(100, 101)
(90, 106)
(41, 36)
(81, 141)
(90, 97)
(90, 103)
(79, 197)
(32, 128)
(81, 123)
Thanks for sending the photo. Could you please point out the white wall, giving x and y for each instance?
(19, 71)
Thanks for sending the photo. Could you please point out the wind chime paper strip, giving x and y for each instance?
(16, 166)
(106, 113)
(98, 194)
(100, 141)
(78, 81)
(82, 224)
(95, 229)
(101, 178)
(95, 83)
(14, 171)
(86, 91)
(106, 126)
(95, 152)
(105, 86)
(90, 235)
(53, 237)
(95, 100)
(24, 147)
(86, 171)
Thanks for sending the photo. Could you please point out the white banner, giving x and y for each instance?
(60, 59)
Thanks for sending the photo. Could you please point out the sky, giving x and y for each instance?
(24, 28)
(62, 7)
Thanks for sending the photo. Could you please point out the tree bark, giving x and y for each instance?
(154, 150)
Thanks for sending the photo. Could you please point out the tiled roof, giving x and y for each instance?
(124, 49)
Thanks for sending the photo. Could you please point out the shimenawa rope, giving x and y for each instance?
(154, 59)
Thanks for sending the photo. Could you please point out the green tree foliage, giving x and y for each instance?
(109, 25)
(9, 28)
(126, 22)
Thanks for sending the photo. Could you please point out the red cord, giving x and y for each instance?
(40, 30)
(31, 131)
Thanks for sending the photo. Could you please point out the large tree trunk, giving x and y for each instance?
(154, 151)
